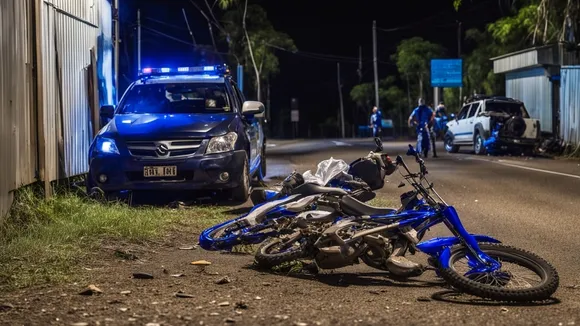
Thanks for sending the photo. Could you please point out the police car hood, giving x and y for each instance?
(132, 126)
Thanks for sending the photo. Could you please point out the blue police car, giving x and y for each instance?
(188, 128)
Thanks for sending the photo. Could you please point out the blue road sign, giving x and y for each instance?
(446, 72)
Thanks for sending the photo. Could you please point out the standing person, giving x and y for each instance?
(432, 133)
(377, 122)
(421, 116)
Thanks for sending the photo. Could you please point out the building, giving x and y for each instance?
(55, 72)
(533, 76)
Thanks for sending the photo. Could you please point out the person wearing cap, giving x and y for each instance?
(421, 117)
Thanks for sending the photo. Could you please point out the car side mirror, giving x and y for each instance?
(107, 111)
(251, 108)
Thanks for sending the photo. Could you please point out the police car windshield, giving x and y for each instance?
(513, 109)
(177, 98)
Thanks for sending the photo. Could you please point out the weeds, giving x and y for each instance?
(42, 241)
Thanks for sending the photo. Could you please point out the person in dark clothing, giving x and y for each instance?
(432, 133)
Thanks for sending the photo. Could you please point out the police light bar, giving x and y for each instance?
(206, 70)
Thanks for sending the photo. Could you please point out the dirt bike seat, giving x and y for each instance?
(357, 208)
(309, 189)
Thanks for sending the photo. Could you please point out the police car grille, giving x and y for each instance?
(176, 148)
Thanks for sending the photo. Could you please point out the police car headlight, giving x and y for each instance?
(222, 144)
(107, 146)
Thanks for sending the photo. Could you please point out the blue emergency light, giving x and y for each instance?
(209, 71)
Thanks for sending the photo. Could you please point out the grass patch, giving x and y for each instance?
(381, 201)
(43, 241)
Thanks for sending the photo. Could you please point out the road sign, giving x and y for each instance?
(294, 116)
(446, 72)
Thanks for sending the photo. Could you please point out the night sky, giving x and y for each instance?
(331, 30)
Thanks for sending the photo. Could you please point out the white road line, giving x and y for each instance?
(339, 143)
(538, 170)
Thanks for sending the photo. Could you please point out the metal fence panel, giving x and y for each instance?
(17, 115)
(535, 90)
(570, 104)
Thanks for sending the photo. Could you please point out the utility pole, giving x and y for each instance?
(459, 57)
(375, 63)
(340, 99)
(139, 40)
(116, 55)
(359, 71)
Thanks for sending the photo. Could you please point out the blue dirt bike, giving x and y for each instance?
(278, 208)
(380, 237)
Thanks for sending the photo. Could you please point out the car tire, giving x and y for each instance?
(449, 146)
(478, 147)
(242, 191)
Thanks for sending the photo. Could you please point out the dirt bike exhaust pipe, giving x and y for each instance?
(375, 230)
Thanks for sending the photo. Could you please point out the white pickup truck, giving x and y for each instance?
(492, 124)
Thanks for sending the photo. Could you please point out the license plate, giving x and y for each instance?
(159, 171)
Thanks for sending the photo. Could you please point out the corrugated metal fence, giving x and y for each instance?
(570, 104)
(18, 161)
(68, 30)
(535, 90)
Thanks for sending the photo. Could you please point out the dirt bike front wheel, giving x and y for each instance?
(277, 251)
(531, 279)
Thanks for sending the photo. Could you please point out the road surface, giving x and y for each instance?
(528, 203)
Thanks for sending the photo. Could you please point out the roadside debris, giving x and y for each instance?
(201, 263)
(125, 292)
(91, 290)
(504, 310)
(181, 294)
(5, 307)
(177, 275)
(230, 320)
(139, 275)
(423, 299)
(223, 280)
(125, 255)
(241, 305)
(223, 304)
(188, 248)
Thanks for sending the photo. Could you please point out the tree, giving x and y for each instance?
(258, 53)
(413, 58)
(479, 76)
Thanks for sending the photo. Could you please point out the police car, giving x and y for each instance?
(187, 128)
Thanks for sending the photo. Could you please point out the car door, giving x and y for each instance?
(462, 133)
(252, 130)
(470, 121)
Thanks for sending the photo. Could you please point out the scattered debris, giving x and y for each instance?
(5, 307)
(152, 324)
(223, 280)
(188, 248)
(241, 305)
(143, 276)
(91, 290)
(123, 309)
(423, 299)
(214, 314)
(266, 283)
(300, 324)
(374, 292)
(115, 301)
(125, 292)
(125, 255)
(177, 275)
(181, 294)
(283, 317)
(201, 263)
(230, 320)
(223, 304)
(258, 298)
(573, 287)
(504, 309)
(80, 324)
(165, 271)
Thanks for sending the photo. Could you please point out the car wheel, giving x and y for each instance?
(449, 147)
(242, 191)
(478, 147)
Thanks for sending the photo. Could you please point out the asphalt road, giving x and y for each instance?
(530, 203)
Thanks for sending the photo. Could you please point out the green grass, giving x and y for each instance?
(43, 241)
(571, 152)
